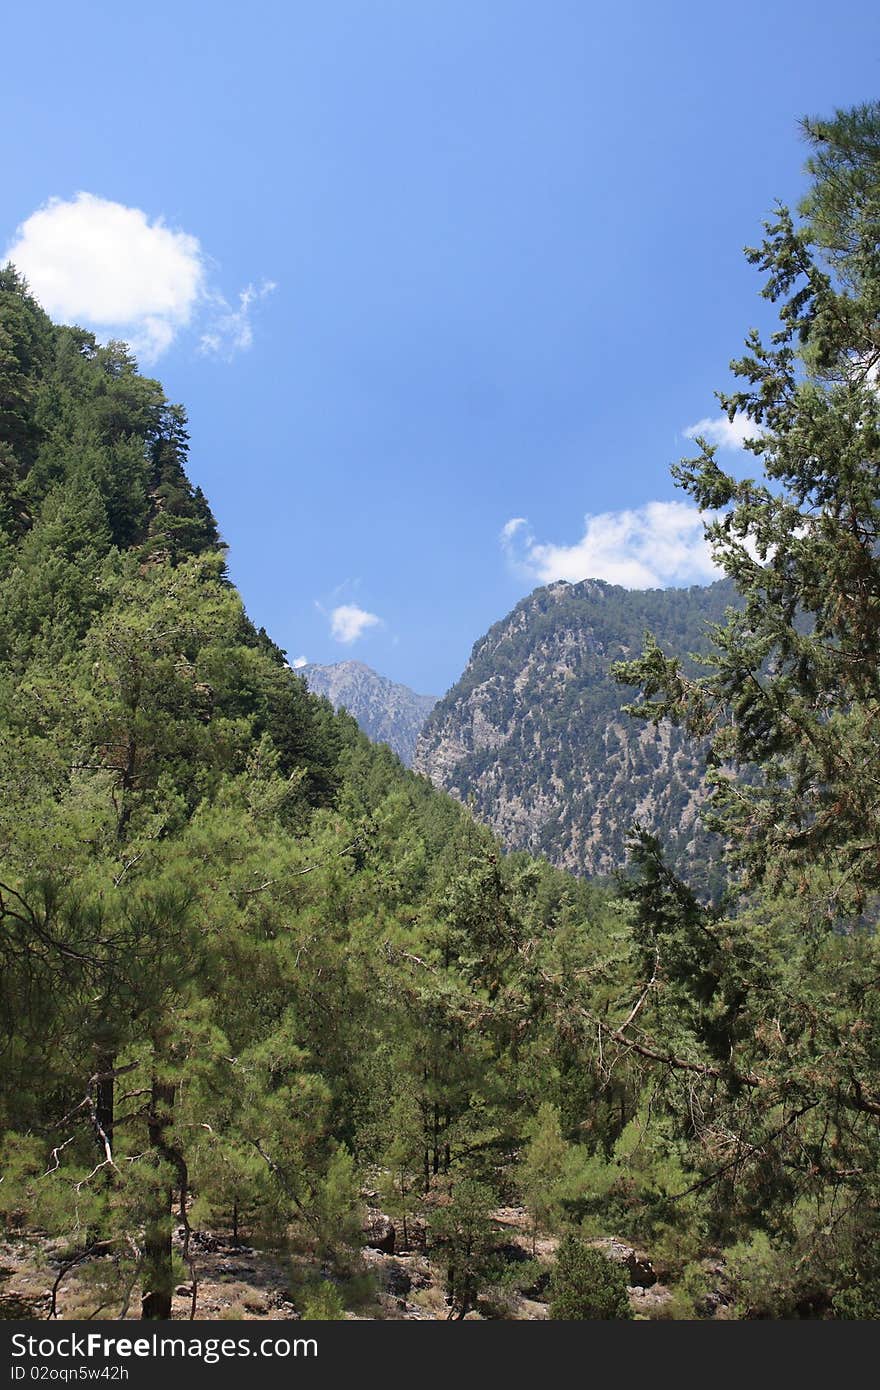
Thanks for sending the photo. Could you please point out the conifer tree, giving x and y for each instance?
(542, 1169)
(766, 1008)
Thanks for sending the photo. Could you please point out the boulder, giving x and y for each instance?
(392, 1276)
(397, 1280)
(203, 1239)
(650, 1303)
(416, 1234)
(640, 1271)
(379, 1232)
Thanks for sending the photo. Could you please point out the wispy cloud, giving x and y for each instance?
(723, 433)
(510, 528)
(231, 330)
(123, 274)
(299, 662)
(348, 622)
(654, 546)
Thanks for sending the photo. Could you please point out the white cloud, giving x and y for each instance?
(231, 330)
(113, 269)
(299, 662)
(510, 528)
(724, 433)
(348, 622)
(101, 264)
(659, 544)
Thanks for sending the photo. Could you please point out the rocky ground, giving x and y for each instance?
(390, 1279)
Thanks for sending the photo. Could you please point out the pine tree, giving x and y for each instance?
(542, 1169)
(793, 682)
(585, 1285)
(766, 1009)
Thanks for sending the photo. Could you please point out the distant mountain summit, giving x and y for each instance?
(387, 712)
(533, 738)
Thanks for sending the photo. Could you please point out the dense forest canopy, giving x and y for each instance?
(248, 959)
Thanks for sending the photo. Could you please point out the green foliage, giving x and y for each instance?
(339, 1208)
(247, 958)
(402, 1156)
(794, 679)
(245, 954)
(585, 1285)
(764, 1010)
(463, 1235)
(825, 1265)
(543, 1168)
(323, 1303)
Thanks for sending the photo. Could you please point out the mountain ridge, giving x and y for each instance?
(534, 739)
(387, 711)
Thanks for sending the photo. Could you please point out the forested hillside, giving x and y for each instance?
(245, 953)
(534, 740)
(255, 973)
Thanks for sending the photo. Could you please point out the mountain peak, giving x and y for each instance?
(386, 711)
(533, 738)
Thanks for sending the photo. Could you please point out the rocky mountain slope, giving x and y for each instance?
(387, 712)
(533, 739)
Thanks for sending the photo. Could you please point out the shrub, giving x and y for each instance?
(585, 1284)
(323, 1304)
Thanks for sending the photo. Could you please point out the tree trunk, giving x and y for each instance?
(158, 1288)
(423, 1106)
(104, 1099)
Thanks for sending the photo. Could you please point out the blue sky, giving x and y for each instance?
(422, 272)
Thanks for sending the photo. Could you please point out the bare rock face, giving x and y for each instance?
(533, 737)
(387, 712)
